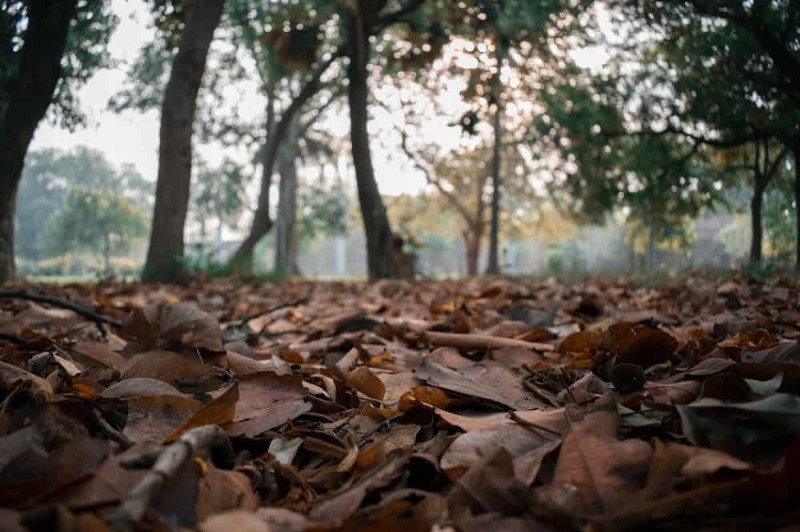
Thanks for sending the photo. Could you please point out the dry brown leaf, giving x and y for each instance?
(366, 382)
(604, 472)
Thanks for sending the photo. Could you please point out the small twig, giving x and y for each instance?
(199, 441)
(479, 341)
(99, 319)
(105, 428)
(276, 308)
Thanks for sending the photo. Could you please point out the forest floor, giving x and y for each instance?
(460, 405)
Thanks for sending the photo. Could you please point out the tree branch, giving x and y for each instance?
(433, 180)
(203, 441)
(99, 319)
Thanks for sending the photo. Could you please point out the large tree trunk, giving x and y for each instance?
(756, 224)
(29, 95)
(165, 252)
(286, 221)
(380, 248)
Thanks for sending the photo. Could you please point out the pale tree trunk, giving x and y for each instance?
(476, 227)
(29, 95)
(106, 254)
(756, 224)
(651, 246)
(165, 252)
(380, 248)
(286, 220)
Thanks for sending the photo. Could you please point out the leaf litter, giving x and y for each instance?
(457, 405)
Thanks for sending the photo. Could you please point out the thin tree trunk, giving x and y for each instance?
(472, 248)
(796, 153)
(764, 169)
(106, 254)
(493, 267)
(285, 222)
(242, 259)
(29, 95)
(651, 246)
(165, 252)
(756, 224)
(378, 232)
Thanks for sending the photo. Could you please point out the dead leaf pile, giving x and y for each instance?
(457, 405)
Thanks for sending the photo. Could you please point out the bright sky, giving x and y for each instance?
(132, 137)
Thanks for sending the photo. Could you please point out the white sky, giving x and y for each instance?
(132, 137)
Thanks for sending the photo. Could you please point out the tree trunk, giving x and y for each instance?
(756, 224)
(165, 252)
(242, 259)
(29, 95)
(285, 223)
(796, 153)
(493, 267)
(378, 232)
(106, 254)
(651, 246)
(472, 248)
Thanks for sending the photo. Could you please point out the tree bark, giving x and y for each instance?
(756, 224)
(764, 169)
(242, 259)
(472, 248)
(796, 153)
(378, 232)
(493, 267)
(286, 221)
(30, 93)
(165, 252)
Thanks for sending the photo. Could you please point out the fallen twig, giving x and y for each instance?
(480, 341)
(99, 319)
(276, 308)
(204, 441)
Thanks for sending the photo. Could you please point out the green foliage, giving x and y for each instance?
(219, 193)
(86, 52)
(96, 220)
(52, 186)
(323, 210)
(205, 263)
(146, 79)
